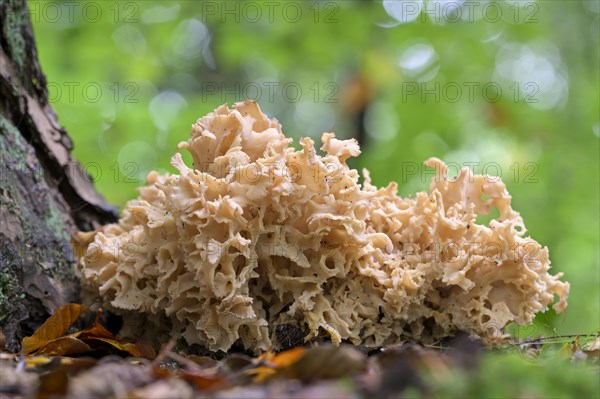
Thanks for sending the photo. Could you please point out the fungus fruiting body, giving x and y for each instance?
(256, 234)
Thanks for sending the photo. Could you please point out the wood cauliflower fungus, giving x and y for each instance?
(256, 234)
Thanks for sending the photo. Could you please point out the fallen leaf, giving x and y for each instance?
(204, 362)
(289, 357)
(37, 361)
(161, 372)
(96, 330)
(76, 364)
(592, 348)
(2, 339)
(50, 340)
(146, 350)
(327, 361)
(41, 363)
(55, 327)
(261, 373)
(270, 363)
(307, 365)
(53, 384)
(212, 376)
(98, 333)
(204, 381)
(128, 347)
(67, 345)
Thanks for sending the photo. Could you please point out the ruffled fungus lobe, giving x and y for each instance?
(256, 235)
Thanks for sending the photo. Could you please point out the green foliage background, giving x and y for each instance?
(156, 66)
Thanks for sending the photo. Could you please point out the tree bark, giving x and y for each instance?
(45, 196)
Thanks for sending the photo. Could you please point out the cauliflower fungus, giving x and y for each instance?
(256, 234)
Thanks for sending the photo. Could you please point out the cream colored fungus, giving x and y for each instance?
(255, 234)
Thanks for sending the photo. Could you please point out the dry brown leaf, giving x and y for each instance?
(37, 361)
(201, 379)
(146, 350)
(53, 384)
(98, 333)
(128, 347)
(204, 381)
(50, 340)
(205, 362)
(592, 348)
(2, 339)
(55, 327)
(96, 330)
(270, 363)
(70, 364)
(289, 357)
(321, 362)
(324, 362)
(63, 346)
(161, 372)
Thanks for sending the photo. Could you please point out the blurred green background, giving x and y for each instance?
(509, 86)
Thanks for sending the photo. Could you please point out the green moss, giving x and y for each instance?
(55, 222)
(12, 152)
(12, 155)
(16, 154)
(45, 226)
(13, 31)
(511, 375)
(10, 293)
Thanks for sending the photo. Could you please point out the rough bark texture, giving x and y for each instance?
(44, 194)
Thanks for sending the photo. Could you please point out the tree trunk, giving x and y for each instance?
(45, 196)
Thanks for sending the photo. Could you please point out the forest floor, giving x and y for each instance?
(92, 363)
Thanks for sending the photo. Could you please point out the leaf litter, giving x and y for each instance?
(94, 363)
